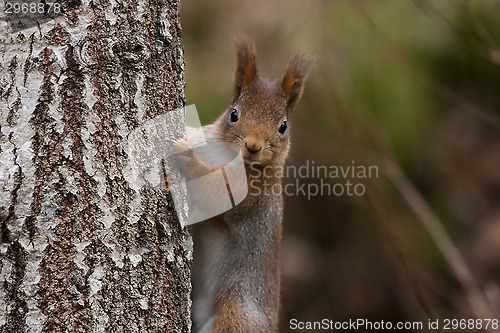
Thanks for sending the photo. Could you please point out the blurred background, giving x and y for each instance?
(409, 86)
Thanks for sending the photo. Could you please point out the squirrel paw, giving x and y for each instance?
(182, 146)
(188, 163)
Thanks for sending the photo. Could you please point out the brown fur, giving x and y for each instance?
(246, 68)
(236, 270)
(229, 316)
(293, 80)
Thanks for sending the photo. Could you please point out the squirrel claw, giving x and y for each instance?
(188, 163)
(181, 146)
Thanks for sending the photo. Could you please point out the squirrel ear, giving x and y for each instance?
(293, 80)
(246, 68)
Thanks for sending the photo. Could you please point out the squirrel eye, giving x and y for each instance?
(283, 127)
(234, 116)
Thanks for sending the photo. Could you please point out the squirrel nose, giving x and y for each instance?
(253, 147)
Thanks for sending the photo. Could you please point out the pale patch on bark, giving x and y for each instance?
(81, 249)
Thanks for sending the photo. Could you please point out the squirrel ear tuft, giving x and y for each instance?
(294, 78)
(246, 68)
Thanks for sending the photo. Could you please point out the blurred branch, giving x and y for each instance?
(445, 93)
(358, 131)
(434, 226)
(478, 26)
(431, 222)
(406, 257)
(488, 53)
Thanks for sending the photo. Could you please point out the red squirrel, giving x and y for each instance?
(236, 267)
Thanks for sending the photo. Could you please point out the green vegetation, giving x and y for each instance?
(413, 82)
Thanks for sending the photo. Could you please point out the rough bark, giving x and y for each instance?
(80, 249)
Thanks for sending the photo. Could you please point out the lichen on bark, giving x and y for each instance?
(80, 249)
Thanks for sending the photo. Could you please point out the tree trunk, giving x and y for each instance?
(81, 250)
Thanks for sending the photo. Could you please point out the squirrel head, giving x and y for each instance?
(258, 118)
